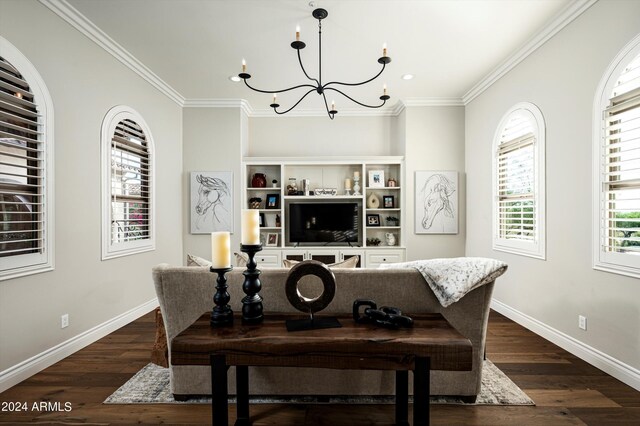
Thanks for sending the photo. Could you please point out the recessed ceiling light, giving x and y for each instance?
(407, 76)
(234, 78)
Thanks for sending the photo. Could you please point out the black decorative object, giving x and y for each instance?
(318, 87)
(221, 315)
(252, 302)
(311, 306)
(386, 316)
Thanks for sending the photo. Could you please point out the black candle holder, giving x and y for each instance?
(221, 315)
(252, 302)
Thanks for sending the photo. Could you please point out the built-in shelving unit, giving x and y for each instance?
(330, 173)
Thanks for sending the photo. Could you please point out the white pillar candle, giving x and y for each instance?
(220, 250)
(250, 227)
(356, 174)
(347, 183)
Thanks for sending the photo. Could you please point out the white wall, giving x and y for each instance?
(561, 79)
(434, 141)
(214, 140)
(319, 136)
(85, 82)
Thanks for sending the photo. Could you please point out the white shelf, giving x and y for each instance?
(383, 227)
(323, 197)
(373, 188)
(329, 172)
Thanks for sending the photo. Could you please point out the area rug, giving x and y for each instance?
(151, 386)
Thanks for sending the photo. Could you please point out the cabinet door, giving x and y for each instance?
(299, 256)
(324, 256)
(344, 255)
(268, 259)
(375, 258)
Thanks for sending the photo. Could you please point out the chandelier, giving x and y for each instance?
(318, 87)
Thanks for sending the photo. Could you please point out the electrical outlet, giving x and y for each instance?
(582, 322)
(64, 321)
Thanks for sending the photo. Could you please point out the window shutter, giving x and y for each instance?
(516, 181)
(22, 167)
(620, 209)
(130, 188)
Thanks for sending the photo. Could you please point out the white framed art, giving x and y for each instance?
(436, 202)
(376, 178)
(211, 198)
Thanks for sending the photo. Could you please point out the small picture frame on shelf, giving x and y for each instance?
(262, 220)
(388, 201)
(272, 239)
(273, 201)
(376, 178)
(373, 220)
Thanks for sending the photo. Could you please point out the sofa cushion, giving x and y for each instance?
(241, 260)
(193, 260)
(351, 262)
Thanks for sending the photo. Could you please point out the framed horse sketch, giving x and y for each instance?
(211, 206)
(436, 202)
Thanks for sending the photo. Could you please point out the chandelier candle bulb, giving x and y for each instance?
(384, 49)
(220, 250)
(275, 97)
(384, 87)
(244, 65)
(333, 105)
(250, 227)
(297, 32)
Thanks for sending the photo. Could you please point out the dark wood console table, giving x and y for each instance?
(432, 344)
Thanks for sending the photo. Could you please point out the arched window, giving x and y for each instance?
(518, 182)
(26, 167)
(127, 179)
(617, 162)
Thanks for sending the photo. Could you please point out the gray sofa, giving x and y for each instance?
(185, 293)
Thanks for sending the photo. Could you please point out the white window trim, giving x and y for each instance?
(617, 263)
(28, 264)
(535, 249)
(111, 120)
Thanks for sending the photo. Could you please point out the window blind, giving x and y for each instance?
(516, 209)
(620, 210)
(22, 167)
(130, 189)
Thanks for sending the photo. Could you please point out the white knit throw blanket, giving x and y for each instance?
(450, 279)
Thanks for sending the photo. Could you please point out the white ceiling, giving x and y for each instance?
(195, 45)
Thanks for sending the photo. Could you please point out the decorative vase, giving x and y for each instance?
(373, 202)
(259, 180)
(391, 239)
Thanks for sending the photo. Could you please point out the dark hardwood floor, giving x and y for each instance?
(567, 390)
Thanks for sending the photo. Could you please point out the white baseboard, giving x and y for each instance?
(618, 369)
(19, 372)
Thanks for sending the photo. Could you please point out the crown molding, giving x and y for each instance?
(393, 111)
(564, 18)
(220, 103)
(77, 20)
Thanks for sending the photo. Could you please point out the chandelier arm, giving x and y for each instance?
(305, 71)
(326, 105)
(355, 84)
(279, 91)
(296, 104)
(353, 100)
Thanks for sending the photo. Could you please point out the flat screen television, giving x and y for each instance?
(327, 223)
